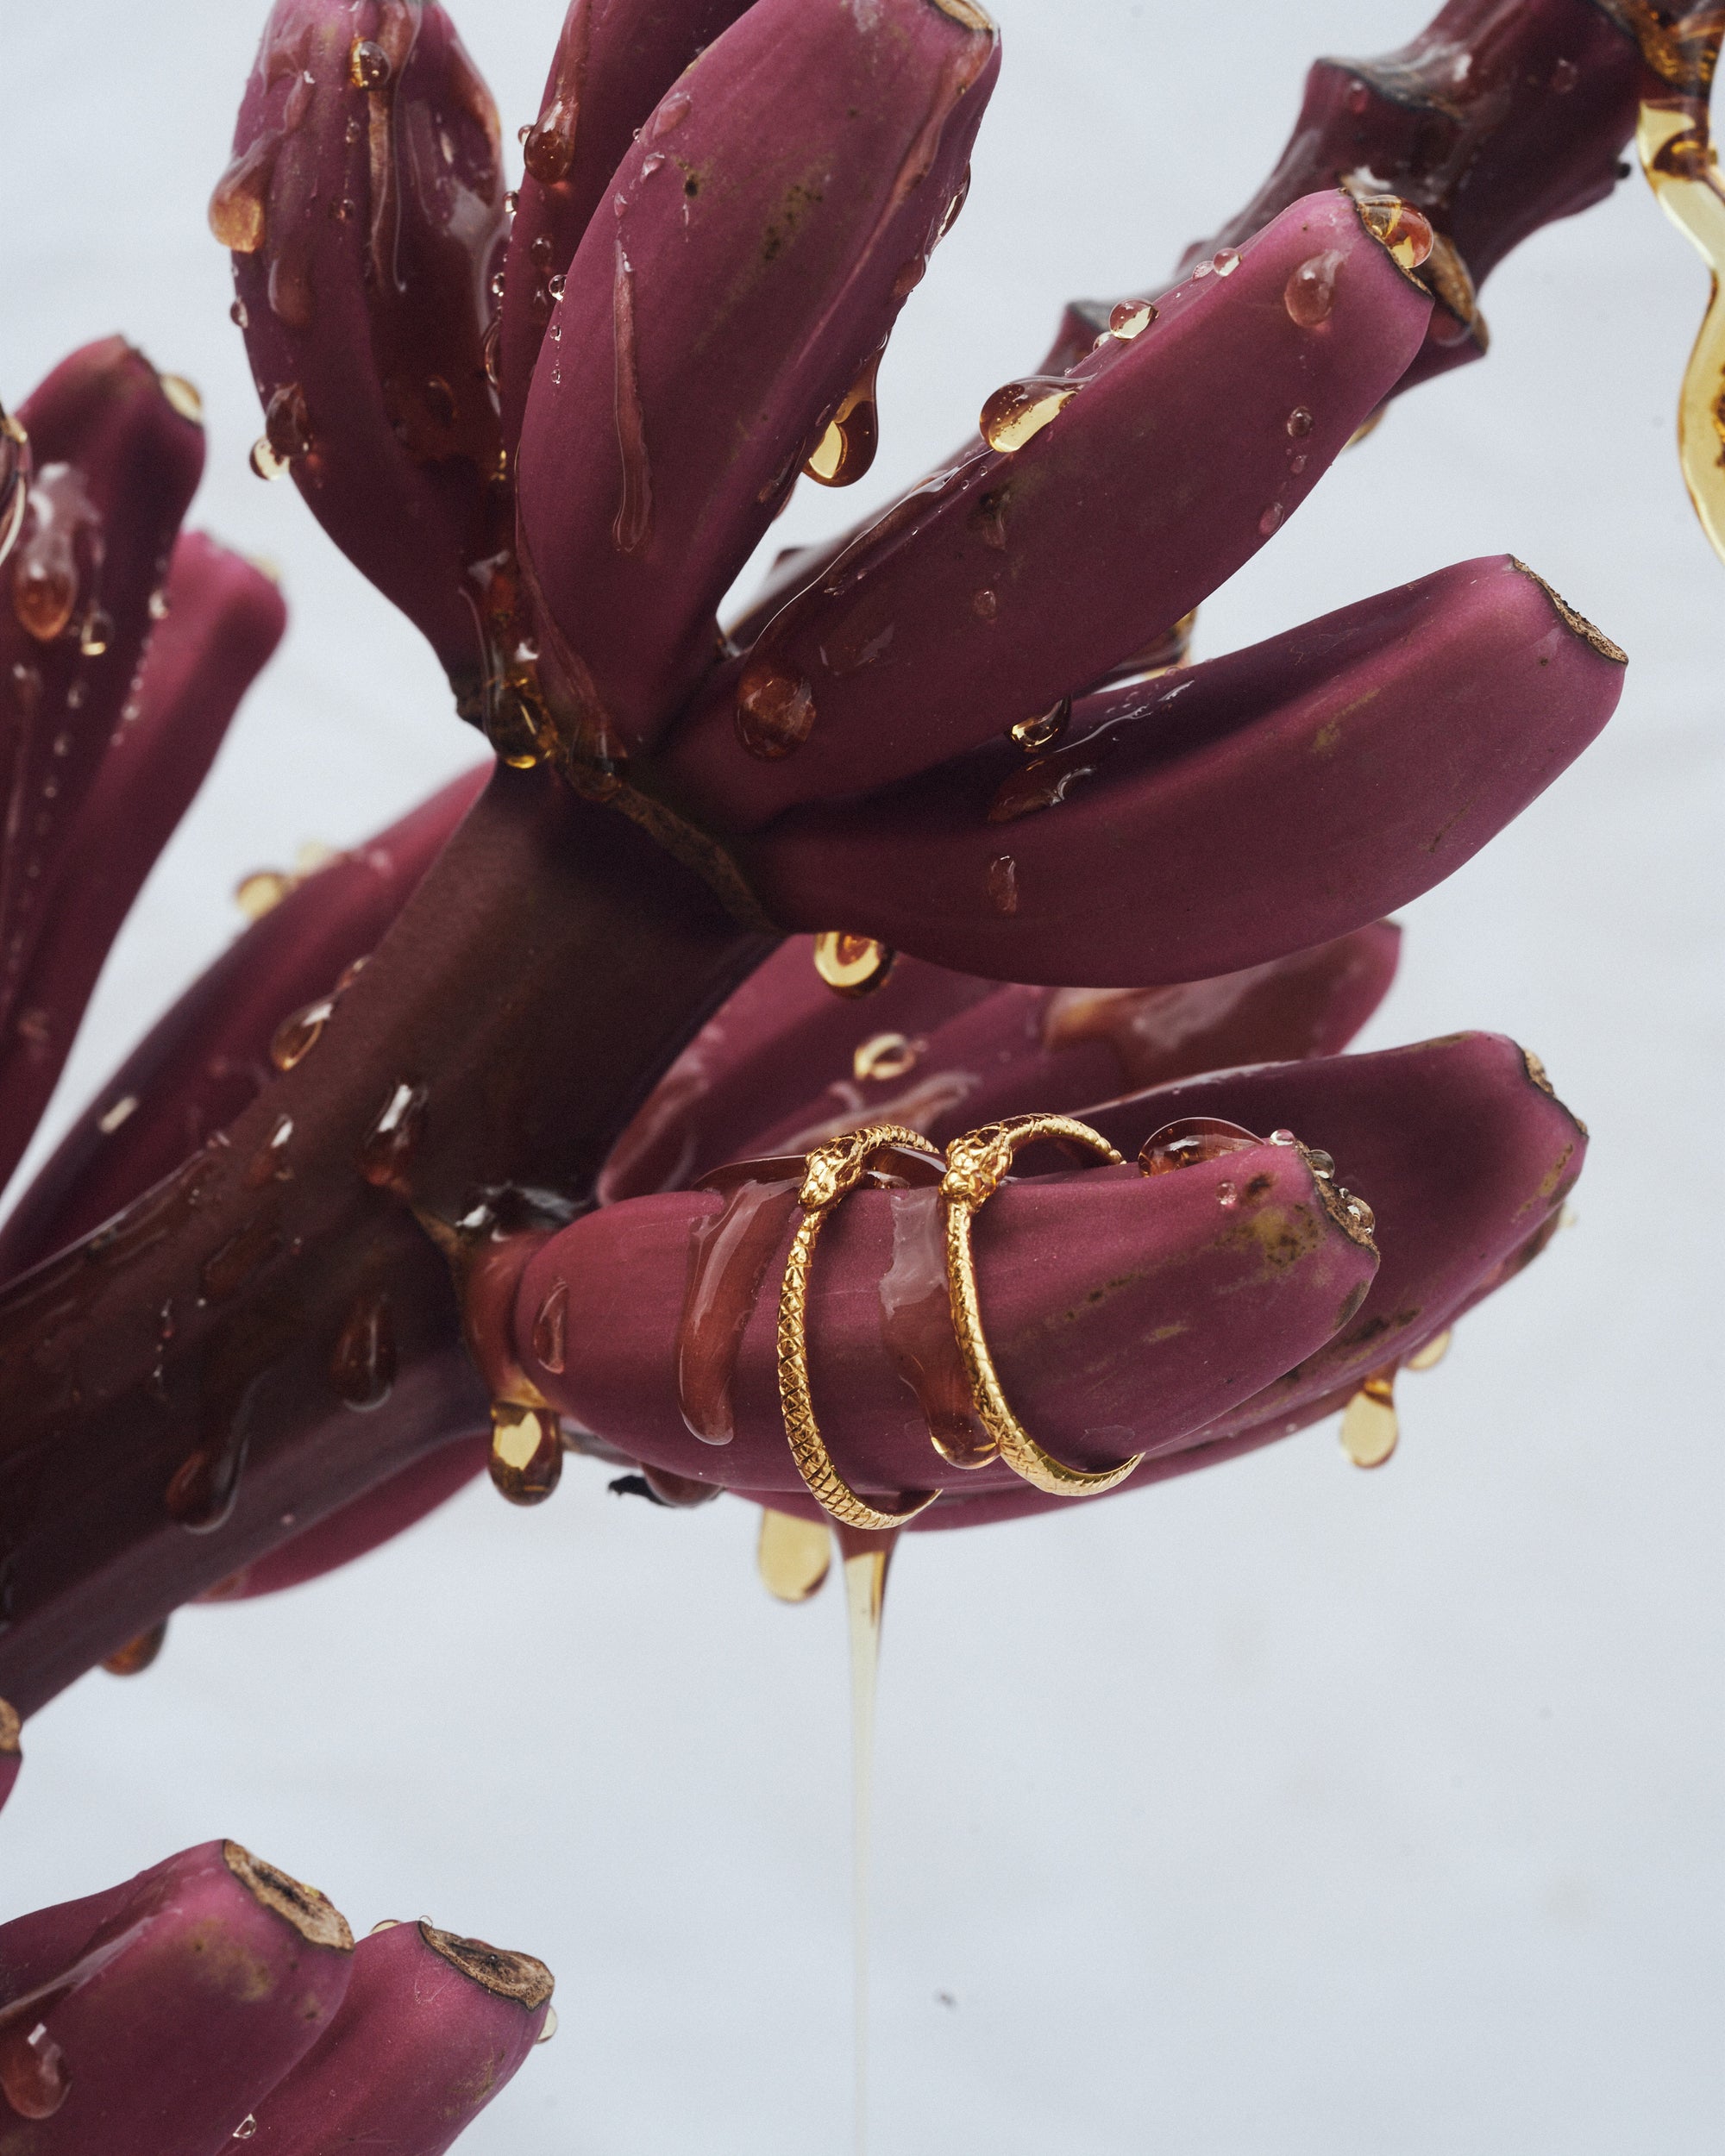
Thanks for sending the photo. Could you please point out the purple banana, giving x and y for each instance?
(714, 325)
(93, 2028)
(1223, 814)
(224, 618)
(615, 60)
(432, 2028)
(364, 210)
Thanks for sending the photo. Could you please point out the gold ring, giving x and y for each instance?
(833, 1171)
(976, 1166)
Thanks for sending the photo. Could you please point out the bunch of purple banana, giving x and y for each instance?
(492, 1139)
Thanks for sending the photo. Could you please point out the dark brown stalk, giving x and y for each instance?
(176, 1400)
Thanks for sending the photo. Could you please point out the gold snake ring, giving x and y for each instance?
(833, 1171)
(976, 1166)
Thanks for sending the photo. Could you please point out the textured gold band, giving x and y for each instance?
(834, 1170)
(976, 1166)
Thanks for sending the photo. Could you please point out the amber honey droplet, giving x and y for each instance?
(387, 1151)
(1433, 1353)
(1406, 231)
(440, 403)
(249, 2126)
(984, 605)
(1310, 292)
(296, 1037)
(202, 1493)
(1300, 422)
(228, 1268)
(515, 724)
(45, 574)
(1368, 1425)
(526, 1452)
(846, 450)
(1034, 735)
(122, 1112)
(1130, 318)
(237, 207)
(775, 711)
(265, 461)
(362, 1364)
(15, 480)
(269, 1164)
(1190, 1140)
(287, 424)
(793, 1557)
(852, 965)
(670, 115)
(98, 632)
(549, 149)
(239, 315)
(261, 891)
(1018, 411)
(33, 2079)
(136, 1656)
(1047, 780)
(42, 599)
(1000, 881)
(955, 209)
(882, 1057)
(549, 2028)
(551, 1327)
(1270, 520)
(1226, 261)
(184, 396)
(367, 64)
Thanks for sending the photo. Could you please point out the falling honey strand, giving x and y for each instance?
(865, 1590)
(1677, 158)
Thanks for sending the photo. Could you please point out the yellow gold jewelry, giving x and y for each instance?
(976, 1166)
(834, 1170)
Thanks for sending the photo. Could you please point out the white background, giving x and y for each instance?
(1283, 1809)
